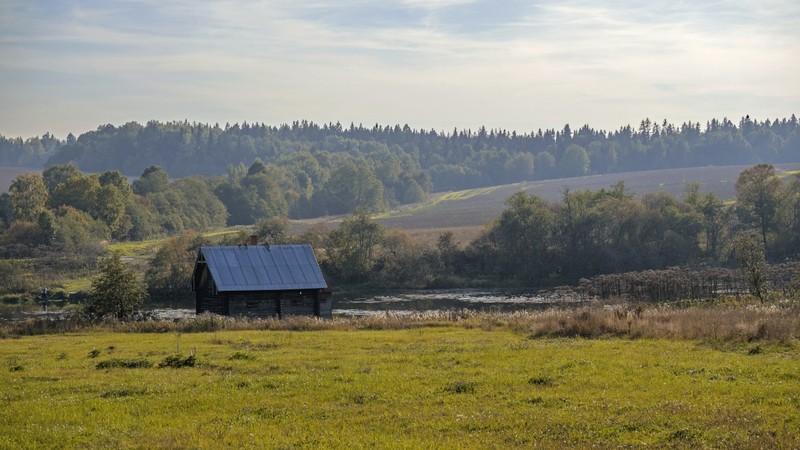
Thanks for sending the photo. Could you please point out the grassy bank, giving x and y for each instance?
(444, 386)
(723, 322)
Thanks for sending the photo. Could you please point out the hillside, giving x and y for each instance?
(465, 212)
(307, 170)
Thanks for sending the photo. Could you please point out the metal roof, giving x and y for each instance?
(263, 268)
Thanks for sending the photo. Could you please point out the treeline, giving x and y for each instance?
(65, 206)
(718, 247)
(408, 162)
(535, 242)
(31, 152)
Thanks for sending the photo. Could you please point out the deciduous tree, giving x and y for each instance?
(351, 247)
(758, 195)
(117, 291)
(752, 262)
(171, 267)
(28, 196)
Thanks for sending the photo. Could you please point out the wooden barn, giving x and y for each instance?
(260, 281)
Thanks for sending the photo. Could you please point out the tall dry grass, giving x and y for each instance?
(776, 322)
(726, 323)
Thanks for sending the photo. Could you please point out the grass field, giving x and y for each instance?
(444, 387)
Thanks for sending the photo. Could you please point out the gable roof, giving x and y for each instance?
(262, 267)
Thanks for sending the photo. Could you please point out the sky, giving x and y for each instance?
(71, 66)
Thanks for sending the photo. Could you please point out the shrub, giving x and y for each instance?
(242, 356)
(177, 361)
(460, 387)
(541, 381)
(114, 363)
(116, 292)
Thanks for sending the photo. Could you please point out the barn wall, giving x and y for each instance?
(296, 304)
(325, 304)
(256, 304)
(213, 305)
(311, 302)
(205, 298)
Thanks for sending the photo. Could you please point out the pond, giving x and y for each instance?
(408, 302)
(364, 304)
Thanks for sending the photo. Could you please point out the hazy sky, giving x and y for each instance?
(69, 66)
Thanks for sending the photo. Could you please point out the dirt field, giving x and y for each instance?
(7, 175)
(468, 211)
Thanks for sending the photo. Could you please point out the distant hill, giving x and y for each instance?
(464, 212)
(439, 161)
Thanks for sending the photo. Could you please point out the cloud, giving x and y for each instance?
(439, 64)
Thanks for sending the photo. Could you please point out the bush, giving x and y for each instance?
(15, 278)
(115, 363)
(116, 292)
(460, 387)
(177, 361)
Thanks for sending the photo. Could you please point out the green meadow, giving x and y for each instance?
(430, 387)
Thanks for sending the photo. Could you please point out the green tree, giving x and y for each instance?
(672, 230)
(202, 210)
(144, 220)
(351, 247)
(257, 167)
(28, 197)
(520, 236)
(57, 174)
(265, 196)
(712, 211)
(789, 224)
(272, 230)
(153, 179)
(544, 165)
(753, 264)
(404, 263)
(758, 192)
(352, 186)
(109, 206)
(519, 167)
(15, 278)
(6, 211)
(575, 161)
(118, 180)
(75, 228)
(78, 191)
(251, 197)
(47, 227)
(117, 291)
(448, 251)
(170, 269)
(577, 220)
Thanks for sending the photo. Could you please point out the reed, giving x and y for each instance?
(741, 321)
